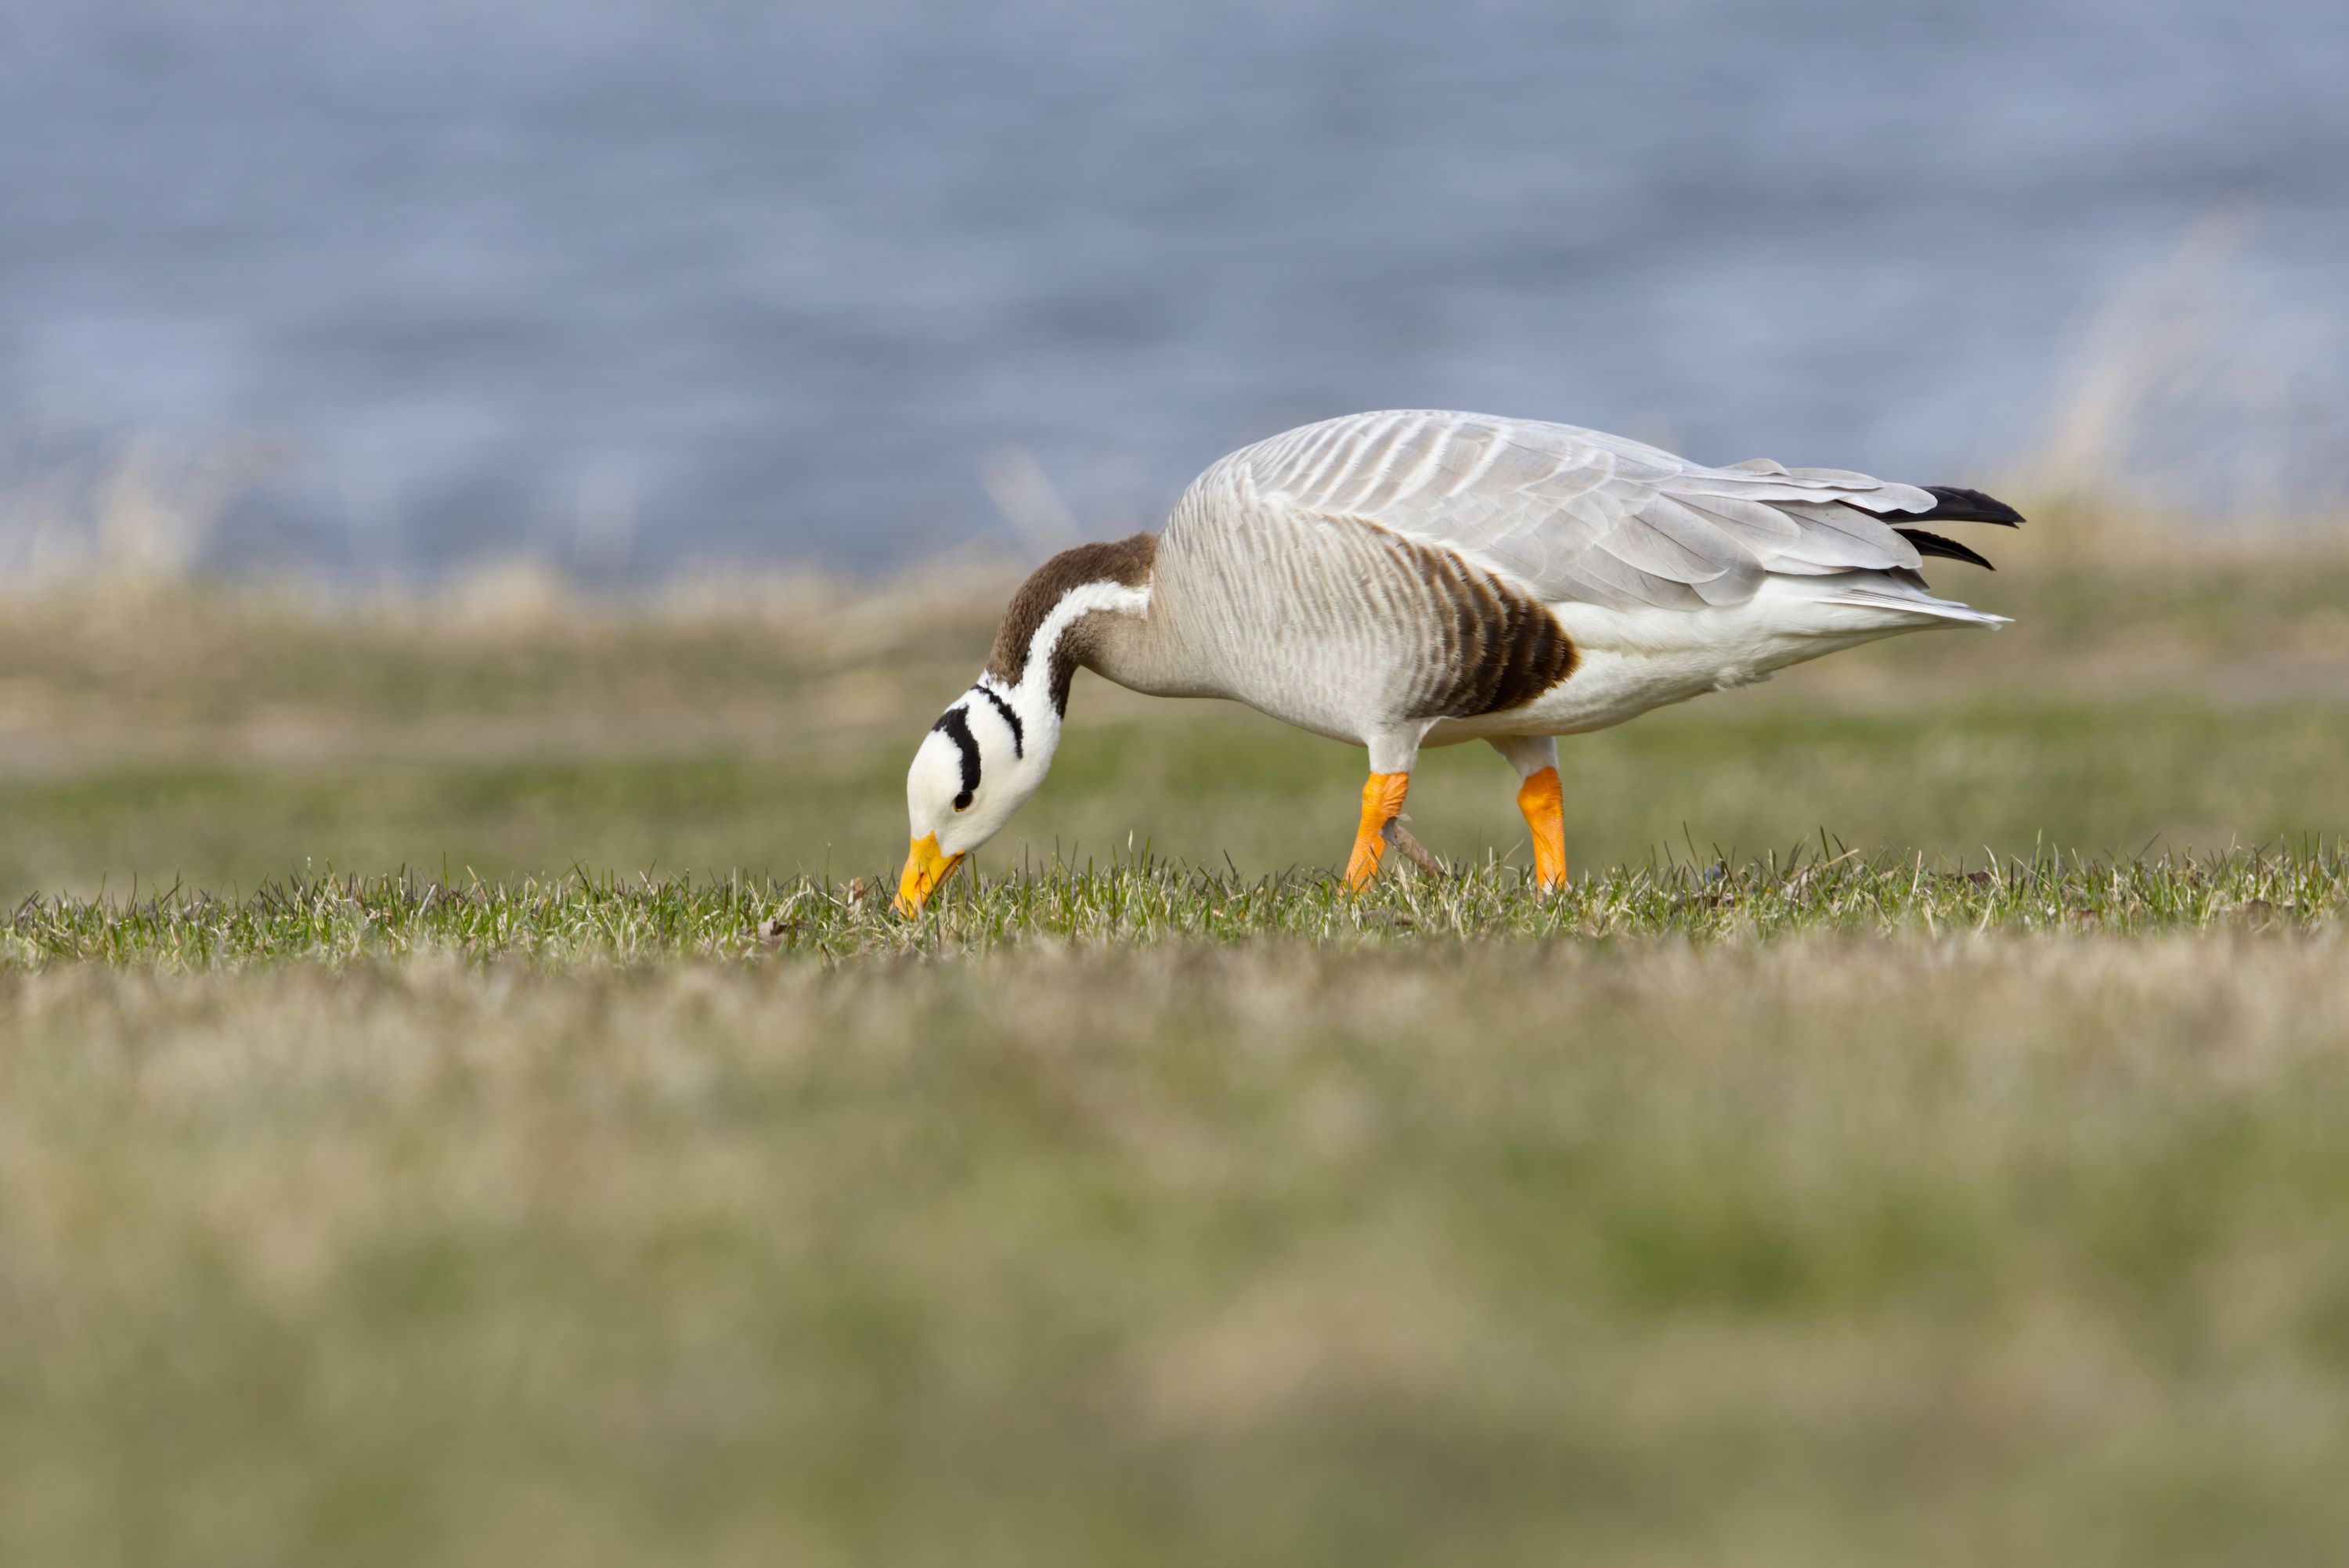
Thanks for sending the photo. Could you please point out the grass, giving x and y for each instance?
(1821, 1250)
(462, 1100)
(589, 920)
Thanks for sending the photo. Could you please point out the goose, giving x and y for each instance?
(1417, 578)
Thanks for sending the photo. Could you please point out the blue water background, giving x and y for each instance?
(642, 284)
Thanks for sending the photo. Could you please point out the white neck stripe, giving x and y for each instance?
(1082, 600)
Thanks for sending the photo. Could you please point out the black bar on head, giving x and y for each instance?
(955, 724)
(1018, 737)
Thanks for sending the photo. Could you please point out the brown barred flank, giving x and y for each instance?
(1500, 647)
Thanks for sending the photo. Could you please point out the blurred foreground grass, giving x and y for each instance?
(1820, 1251)
(1935, 1181)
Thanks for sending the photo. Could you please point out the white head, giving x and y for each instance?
(992, 746)
(977, 765)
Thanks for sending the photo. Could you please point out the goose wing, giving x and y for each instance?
(1578, 515)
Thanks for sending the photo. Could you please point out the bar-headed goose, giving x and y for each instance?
(1404, 579)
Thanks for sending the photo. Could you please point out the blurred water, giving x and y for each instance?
(642, 284)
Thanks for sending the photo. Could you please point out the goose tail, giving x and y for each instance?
(1899, 596)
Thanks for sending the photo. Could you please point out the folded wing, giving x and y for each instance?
(1578, 515)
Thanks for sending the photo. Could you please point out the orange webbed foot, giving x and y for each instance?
(1381, 803)
(1543, 801)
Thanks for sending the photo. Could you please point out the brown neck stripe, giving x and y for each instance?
(1125, 561)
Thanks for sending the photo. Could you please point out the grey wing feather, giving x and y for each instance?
(1580, 515)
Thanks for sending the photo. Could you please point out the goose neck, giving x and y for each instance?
(1079, 608)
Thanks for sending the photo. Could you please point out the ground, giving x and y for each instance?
(456, 1104)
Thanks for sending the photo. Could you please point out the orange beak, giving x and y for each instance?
(927, 871)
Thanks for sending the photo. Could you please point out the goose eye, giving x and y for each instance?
(962, 801)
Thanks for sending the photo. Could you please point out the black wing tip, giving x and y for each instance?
(1955, 503)
(1934, 544)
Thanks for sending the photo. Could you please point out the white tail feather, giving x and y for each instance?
(1916, 604)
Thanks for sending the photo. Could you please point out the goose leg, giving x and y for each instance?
(1392, 752)
(1543, 801)
(1382, 804)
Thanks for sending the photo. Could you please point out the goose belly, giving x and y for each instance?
(1608, 687)
(1632, 661)
(1321, 689)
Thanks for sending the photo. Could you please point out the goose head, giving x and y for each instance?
(992, 746)
(978, 764)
